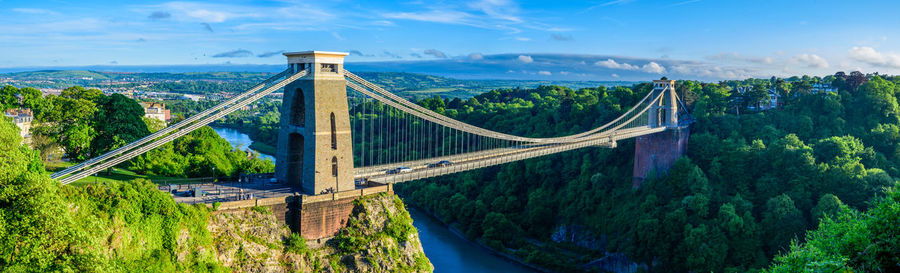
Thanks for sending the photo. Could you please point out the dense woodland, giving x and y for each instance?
(123, 227)
(749, 186)
(85, 123)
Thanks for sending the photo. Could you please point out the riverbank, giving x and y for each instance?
(263, 148)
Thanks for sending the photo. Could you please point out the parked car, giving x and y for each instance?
(442, 163)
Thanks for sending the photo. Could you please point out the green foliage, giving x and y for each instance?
(202, 153)
(295, 244)
(86, 123)
(68, 119)
(849, 242)
(357, 235)
(112, 227)
(752, 181)
(119, 121)
(261, 209)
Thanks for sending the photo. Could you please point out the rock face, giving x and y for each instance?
(379, 237)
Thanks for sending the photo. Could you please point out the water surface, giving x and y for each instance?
(450, 253)
(240, 141)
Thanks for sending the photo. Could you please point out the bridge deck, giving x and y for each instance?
(493, 157)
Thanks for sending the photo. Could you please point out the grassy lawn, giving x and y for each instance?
(117, 174)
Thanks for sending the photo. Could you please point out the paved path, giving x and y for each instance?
(227, 191)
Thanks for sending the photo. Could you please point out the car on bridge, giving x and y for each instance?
(442, 163)
(400, 169)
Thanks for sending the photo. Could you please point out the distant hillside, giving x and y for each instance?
(405, 84)
(421, 85)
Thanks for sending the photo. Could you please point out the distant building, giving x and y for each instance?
(823, 88)
(156, 110)
(773, 99)
(22, 118)
(194, 97)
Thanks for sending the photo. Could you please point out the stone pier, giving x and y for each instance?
(654, 154)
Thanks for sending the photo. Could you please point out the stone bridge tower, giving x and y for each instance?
(314, 146)
(654, 154)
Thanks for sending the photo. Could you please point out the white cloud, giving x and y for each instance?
(610, 3)
(523, 39)
(871, 56)
(525, 59)
(208, 15)
(811, 60)
(384, 23)
(34, 11)
(476, 56)
(436, 53)
(545, 73)
(564, 73)
(651, 67)
(706, 70)
(610, 63)
(219, 13)
(434, 16)
(614, 75)
(498, 9)
(501, 15)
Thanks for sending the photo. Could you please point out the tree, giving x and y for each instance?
(704, 247)
(37, 232)
(876, 103)
(119, 121)
(783, 222)
(801, 88)
(849, 242)
(828, 206)
(8, 97)
(68, 120)
(154, 125)
(757, 95)
(783, 89)
(856, 79)
(31, 98)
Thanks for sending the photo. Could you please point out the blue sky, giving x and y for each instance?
(599, 40)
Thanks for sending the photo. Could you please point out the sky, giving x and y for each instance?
(569, 40)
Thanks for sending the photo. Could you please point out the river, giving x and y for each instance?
(240, 141)
(450, 253)
(447, 252)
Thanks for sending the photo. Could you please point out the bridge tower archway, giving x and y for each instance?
(315, 115)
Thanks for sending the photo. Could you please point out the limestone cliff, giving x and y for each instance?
(379, 237)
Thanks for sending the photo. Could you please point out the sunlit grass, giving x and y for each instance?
(114, 175)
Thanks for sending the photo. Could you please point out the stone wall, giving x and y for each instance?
(313, 216)
(324, 219)
(654, 154)
(323, 215)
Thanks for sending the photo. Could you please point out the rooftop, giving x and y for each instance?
(316, 53)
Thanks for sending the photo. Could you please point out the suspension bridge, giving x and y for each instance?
(337, 128)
